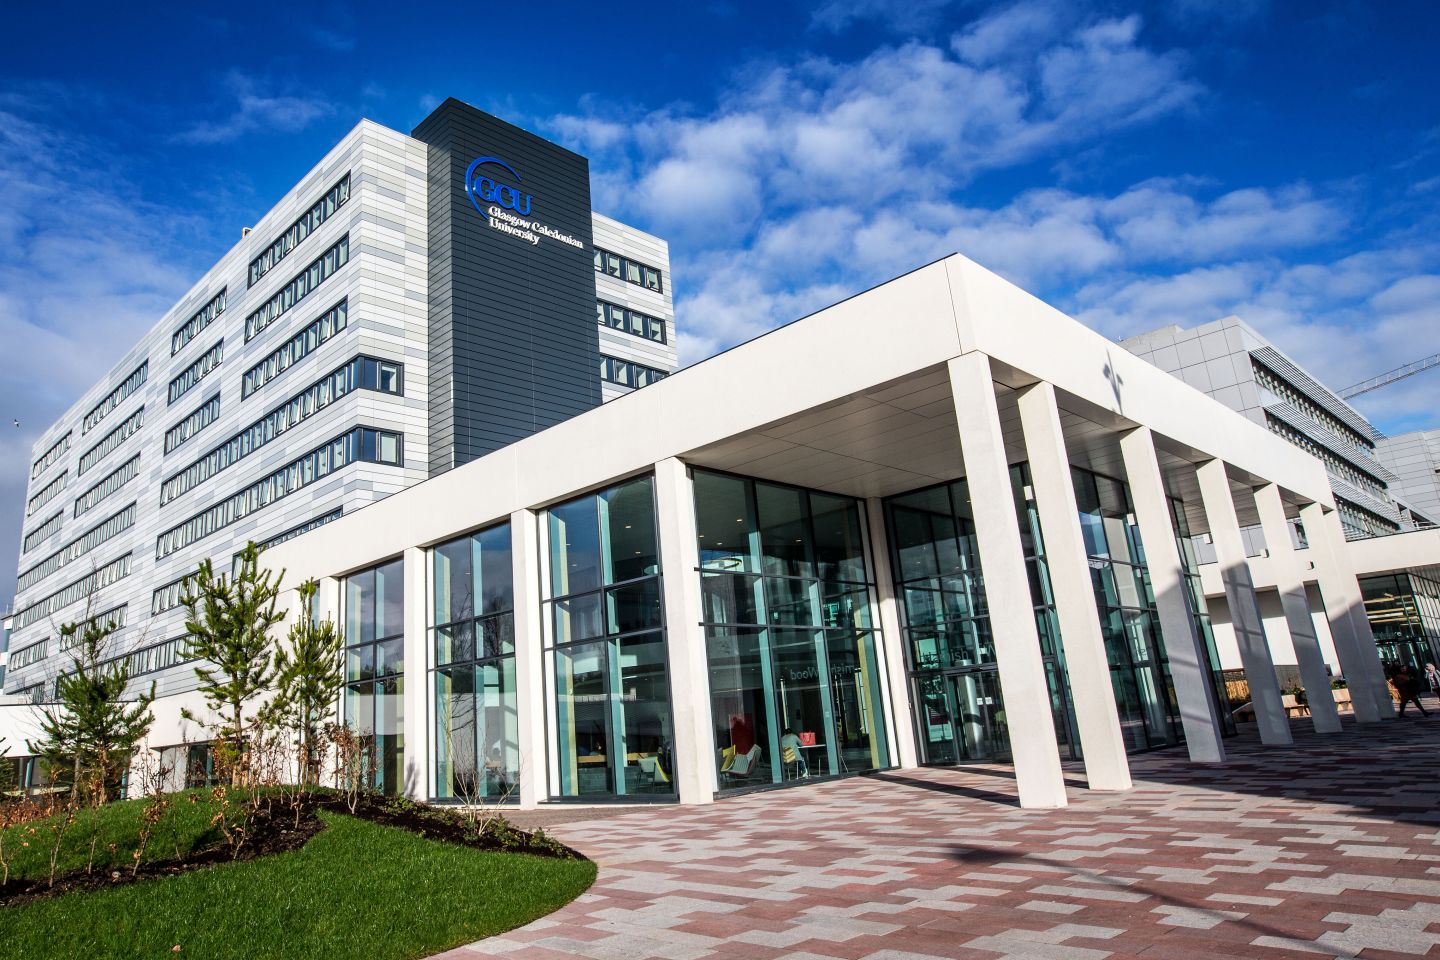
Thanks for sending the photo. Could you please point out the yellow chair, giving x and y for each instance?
(789, 756)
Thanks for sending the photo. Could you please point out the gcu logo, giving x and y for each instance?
(485, 191)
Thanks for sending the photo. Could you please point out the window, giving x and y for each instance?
(42, 533)
(1359, 523)
(304, 528)
(50, 456)
(303, 284)
(1281, 388)
(295, 349)
(334, 198)
(361, 443)
(196, 372)
(959, 710)
(191, 328)
(198, 419)
(1337, 466)
(112, 440)
(155, 657)
(1139, 667)
(630, 321)
(791, 643)
(628, 374)
(108, 487)
(477, 734)
(168, 597)
(31, 654)
(106, 530)
(631, 271)
(117, 396)
(604, 634)
(112, 572)
(47, 493)
(362, 373)
(114, 619)
(375, 669)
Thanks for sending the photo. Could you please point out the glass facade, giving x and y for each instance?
(375, 670)
(1195, 602)
(1404, 614)
(1139, 668)
(960, 712)
(605, 642)
(795, 683)
(477, 735)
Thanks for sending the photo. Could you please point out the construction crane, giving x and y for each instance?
(1385, 379)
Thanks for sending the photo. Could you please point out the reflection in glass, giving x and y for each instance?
(794, 675)
(477, 739)
(610, 683)
(374, 671)
(959, 710)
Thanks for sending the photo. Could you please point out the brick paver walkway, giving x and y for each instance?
(1330, 848)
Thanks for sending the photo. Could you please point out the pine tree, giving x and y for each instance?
(309, 672)
(92, 732)
(227, 627)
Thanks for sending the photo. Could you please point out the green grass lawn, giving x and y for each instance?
(357, 891)
(185, 828)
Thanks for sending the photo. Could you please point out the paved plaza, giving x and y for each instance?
(1330, 848)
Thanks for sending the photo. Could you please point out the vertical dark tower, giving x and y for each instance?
(513, 344)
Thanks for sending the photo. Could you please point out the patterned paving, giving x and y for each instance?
(1327, 849)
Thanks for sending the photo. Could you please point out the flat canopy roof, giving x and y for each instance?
(853, 399)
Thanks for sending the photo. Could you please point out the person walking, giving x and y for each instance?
(1432, 678)
(1409, 690)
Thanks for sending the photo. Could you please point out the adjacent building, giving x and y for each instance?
(413, 303)
(1232, 362)
(1383, 486)
(1414, 459)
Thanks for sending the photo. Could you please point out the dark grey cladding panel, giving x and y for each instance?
(513, 344)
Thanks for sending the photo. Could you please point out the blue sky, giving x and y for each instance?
(1134, 164)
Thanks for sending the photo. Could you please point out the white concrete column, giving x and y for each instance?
(417, 675)
(1291, 587)
(1038, 776)
(1088, 667)
(694, 749)
(900, 717)
(529, 655)
(1244, 607)
(328, 602)
(1345, 609)
(1189, 660)
(331, 596)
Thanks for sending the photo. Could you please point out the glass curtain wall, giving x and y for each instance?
(791, 646)
(1195, 601)
(1139, 668)
(477, 727)
(960, 712)
(375, 671)
(605, 639)
(1404, 614)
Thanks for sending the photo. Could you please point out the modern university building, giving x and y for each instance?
(974, 539)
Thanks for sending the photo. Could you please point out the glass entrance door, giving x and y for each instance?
(964, 717)
(981, 731)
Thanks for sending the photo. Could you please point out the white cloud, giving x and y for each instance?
(256, 111)
(89, 266)
(915, 121)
